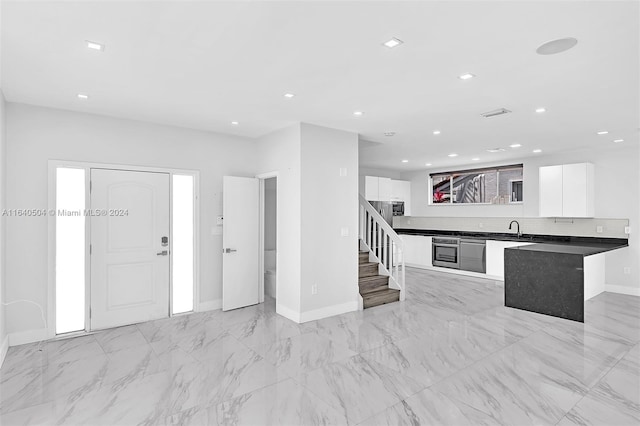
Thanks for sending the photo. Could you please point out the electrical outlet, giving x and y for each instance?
(344, 231)
(599, 229)
(627, 270)
(343, 171)
(481, 225)
(314, 289)
(627, 230)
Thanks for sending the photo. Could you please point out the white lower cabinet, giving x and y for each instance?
(495, 256)
(417, 250)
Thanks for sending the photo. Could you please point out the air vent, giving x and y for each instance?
(495, 113)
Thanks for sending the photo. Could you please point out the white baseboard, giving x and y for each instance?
(329, 311)
(210, 305)
(456, 272)
(29, 336)
(288, 313)
(4, 347)
(622, 289)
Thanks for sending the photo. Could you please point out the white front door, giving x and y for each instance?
(240, 242)
(129, 247)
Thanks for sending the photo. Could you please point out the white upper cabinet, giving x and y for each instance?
(377, 188)
(400, 190)
(384, 189)
(567, 190)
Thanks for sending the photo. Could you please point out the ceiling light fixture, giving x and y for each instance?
(494, 150)
(453, 155)
(602, 132)
(394, 42)
(428, 164)
(436, 132)
(515, 145)
(289, 95)
(466, 76)
(537, 151)
(389, 133)
(405, 161)
(94, 46)
(618, 140)
(475, 159)
(556, 46)
(235, 123)
(83, 96)
(358, 113)
(539, 110)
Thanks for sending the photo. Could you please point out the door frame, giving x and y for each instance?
(262, 177)
(51, 233)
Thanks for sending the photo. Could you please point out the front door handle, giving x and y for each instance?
(229, 250)
(163, 253)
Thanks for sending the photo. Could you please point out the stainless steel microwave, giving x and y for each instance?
(398, 208)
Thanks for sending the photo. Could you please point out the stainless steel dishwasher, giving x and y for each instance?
(473, 255)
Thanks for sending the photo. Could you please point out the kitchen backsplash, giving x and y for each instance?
(611, 228)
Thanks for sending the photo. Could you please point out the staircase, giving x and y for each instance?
(374, 288)
(381, 260)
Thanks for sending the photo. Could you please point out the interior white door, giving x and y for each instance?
(240, 242)
(130, 250)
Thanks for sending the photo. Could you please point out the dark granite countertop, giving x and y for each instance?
(547, 243)
(584, 249)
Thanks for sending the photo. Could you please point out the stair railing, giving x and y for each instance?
(384, 245)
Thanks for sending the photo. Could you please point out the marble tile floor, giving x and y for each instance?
(451, 354)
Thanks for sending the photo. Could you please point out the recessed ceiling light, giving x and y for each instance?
(515, 145)
(389, 133)
(405, 161)
(94, 46)
(436, 132)
(496, 150)
(466, 76)
(556, 46)
(83, 96)
(358, 113)
(289, 95)
(475, 159)
(235, 123)
(537, 151)
(603, 132)
(394, 42)
(538, 110)
(453, 155)
(428, 164)
(618, 140)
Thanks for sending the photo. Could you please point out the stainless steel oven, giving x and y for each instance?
(446, 252)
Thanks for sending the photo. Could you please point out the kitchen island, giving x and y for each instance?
(556, 278)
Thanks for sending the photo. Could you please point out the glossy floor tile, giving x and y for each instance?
(451, 354)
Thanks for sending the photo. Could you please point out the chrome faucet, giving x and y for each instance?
(516, 222)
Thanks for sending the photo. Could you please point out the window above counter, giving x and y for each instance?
(494, 185)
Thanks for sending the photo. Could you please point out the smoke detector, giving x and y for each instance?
(495, 113)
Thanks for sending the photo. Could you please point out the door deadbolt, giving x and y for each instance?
(164, 241)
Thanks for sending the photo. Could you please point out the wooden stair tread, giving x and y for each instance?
(365, 280)
(380, 297)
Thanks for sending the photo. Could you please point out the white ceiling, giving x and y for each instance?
(204, 64)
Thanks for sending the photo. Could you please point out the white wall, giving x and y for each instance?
(280, 152)
(617, 173)
(35, 135)
(392, 174)
(329, 203)
(4, 338)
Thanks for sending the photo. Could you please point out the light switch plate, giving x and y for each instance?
(627, 230)
(344, 231)
(219, 220)
(599, 229)
(343, 171)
